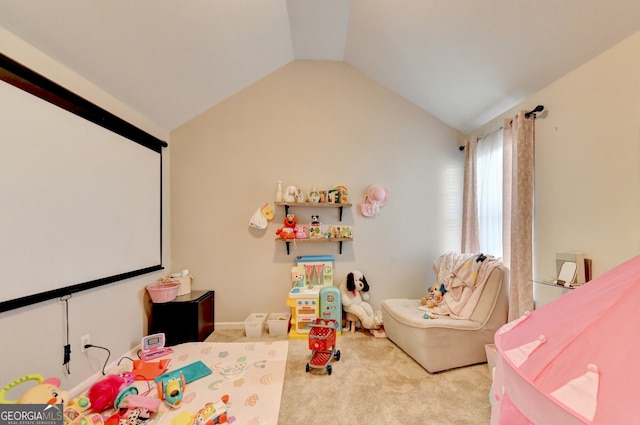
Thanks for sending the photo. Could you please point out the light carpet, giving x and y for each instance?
(376, 382)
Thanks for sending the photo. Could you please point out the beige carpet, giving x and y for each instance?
(376, 382)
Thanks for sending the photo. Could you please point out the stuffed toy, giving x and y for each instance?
(354, 291)
(103, 393)
(300, 231)
(287, 231)
(434, 297)
(290, 194)
(47, 391)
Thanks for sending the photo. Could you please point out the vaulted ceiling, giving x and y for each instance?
(463, 61)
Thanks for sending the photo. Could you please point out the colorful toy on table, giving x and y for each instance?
(213, 413)
(77, 413)
(210, 414)
(172, 391)
(47, 391)
(148, 371)
(134, 409)
(171, 385)
(287, 231)
(103, 394)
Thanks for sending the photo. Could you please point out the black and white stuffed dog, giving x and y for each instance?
(357, 282)
(355, 294)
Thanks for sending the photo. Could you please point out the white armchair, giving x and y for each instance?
(446, 343)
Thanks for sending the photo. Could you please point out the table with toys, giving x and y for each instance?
(194, 384)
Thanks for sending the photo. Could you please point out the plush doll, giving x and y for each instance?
(290, 194)
(300, 231)
(287, 231)
(434, 297)
(355, 295)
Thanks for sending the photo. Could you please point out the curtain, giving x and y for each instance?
(470, 233)
(489, 180)
(518, 173)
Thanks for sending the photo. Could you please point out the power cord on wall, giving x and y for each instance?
(102, 348)
(67, 347)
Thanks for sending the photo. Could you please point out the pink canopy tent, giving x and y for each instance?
(575, 360)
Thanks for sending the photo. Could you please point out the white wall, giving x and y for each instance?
(312, 123)
(33, 337)
(587, 183)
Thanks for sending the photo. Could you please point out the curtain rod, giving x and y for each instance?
(527, 115)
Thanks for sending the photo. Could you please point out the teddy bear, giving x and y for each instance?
(287, 231)
(354, 291)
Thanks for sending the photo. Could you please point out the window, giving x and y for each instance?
(489, 192)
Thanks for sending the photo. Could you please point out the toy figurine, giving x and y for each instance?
(314, 227)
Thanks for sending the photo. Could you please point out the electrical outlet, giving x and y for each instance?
(84, 341)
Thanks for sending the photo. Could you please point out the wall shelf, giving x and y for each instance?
(286, 206)
(312, 240)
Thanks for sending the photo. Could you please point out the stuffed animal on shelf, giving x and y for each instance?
(300, 231)
(434, 297)
(354, 291)
(287, 231)
(290, 194)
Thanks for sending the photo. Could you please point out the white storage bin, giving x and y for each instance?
(255, 324)
(278, 323)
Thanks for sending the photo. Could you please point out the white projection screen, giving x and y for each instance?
(80, 192)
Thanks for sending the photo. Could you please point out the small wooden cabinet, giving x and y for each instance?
(188, 318)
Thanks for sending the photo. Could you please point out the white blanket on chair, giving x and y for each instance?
(463, 278)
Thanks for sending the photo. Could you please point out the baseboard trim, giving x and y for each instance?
(229, 325)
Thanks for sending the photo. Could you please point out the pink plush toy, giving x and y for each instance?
(300, 231)
(103, 393)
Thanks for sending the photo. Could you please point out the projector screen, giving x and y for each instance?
(80, 192)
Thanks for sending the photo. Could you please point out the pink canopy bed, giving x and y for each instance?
(575, 360)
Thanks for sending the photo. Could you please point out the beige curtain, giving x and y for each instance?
(470, 235)
(518, 173)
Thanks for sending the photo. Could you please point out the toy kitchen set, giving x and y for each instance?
(313, 294)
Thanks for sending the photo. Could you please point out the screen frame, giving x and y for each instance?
(36, 84)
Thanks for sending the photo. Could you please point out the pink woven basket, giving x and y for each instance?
(163, 292)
